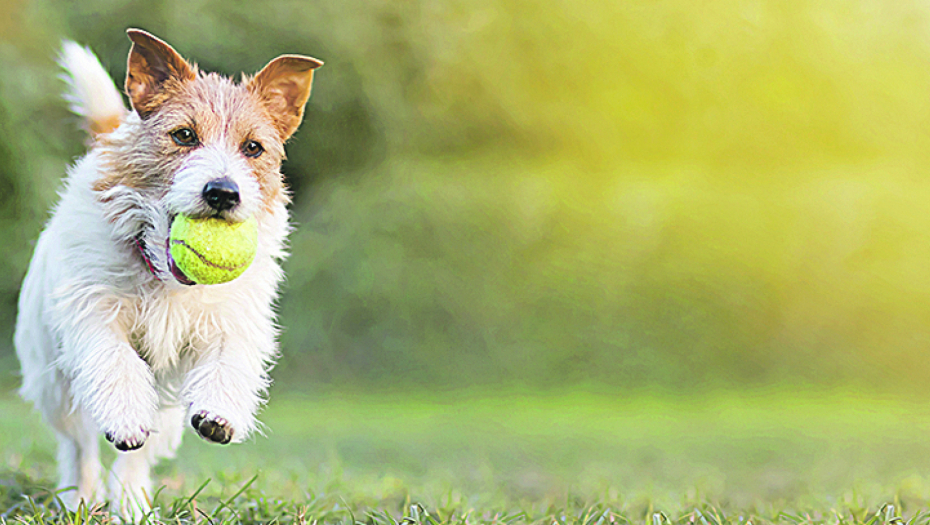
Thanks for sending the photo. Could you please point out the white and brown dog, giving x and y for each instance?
(112, 337)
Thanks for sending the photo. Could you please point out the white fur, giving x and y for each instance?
(91, 93)
(208, 163)
(106, 347)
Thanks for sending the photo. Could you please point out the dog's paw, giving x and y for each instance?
(212, 427)
(126, 441)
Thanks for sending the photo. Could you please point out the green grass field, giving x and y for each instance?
(764, 456)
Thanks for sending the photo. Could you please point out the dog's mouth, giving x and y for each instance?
(175, 271)
(172, 266)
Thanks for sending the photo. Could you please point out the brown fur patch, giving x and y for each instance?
(169, 93)
(113, 180)
(220, 112)
(104, 125)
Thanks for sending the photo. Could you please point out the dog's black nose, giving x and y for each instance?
(221, 194)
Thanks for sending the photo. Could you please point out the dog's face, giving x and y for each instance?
(202, 145)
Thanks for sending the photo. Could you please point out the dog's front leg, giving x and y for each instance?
(224, 389)
(110, 381)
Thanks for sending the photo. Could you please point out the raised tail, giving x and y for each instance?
(91, 92)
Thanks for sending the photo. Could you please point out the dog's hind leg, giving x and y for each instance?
(79, 462)
(78, 448)
(50, 391)
(130, 483)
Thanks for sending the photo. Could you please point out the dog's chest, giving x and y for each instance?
(172, 323)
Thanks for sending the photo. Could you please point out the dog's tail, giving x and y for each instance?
(91, 92)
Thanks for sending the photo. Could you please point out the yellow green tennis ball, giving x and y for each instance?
(211, 251)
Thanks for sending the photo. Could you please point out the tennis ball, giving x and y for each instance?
(211, 251)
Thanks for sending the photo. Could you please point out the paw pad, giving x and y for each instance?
(212, 428)
(130, 443)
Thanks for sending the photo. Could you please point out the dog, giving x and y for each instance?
(113, 339)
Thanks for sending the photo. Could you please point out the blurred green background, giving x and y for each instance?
(668, 195)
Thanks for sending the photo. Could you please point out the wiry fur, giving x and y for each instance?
(106, 346)
(91, 93)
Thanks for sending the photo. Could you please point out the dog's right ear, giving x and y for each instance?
(155, 70)
(284, 86)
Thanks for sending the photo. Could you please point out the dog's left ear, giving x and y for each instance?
(284, 87)
(154, 69)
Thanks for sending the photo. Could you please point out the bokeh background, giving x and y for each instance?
(621, 196)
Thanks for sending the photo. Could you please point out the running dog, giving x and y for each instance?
(112, 337)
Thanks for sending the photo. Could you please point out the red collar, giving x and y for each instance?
(145, 256)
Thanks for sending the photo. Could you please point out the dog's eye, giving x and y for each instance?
(252, 149)
(184, 137)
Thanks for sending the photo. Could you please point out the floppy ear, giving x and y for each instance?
(154, 69)
(284, 87)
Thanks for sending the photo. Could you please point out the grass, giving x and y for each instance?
(466, 457)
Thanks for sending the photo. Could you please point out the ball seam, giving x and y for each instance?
(207, 261)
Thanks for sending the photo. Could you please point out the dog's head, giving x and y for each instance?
(198, 143)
